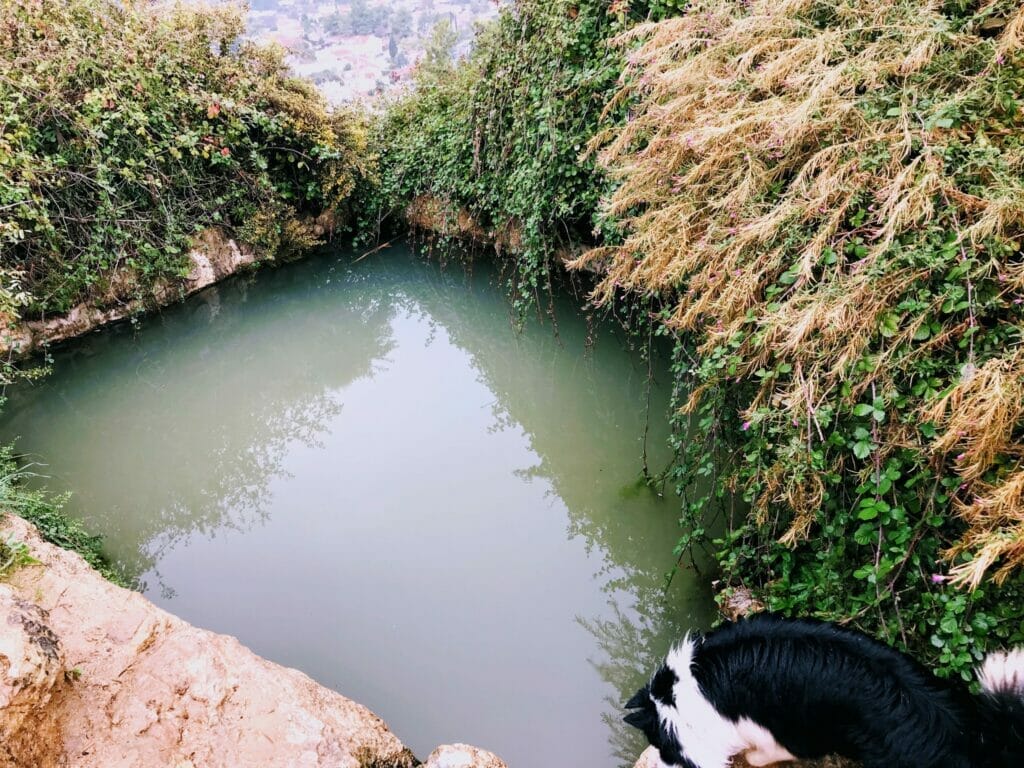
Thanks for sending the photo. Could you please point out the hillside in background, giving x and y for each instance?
(361, 47)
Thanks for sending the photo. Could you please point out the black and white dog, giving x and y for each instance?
(778, 689)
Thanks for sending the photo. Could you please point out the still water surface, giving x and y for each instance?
(361, 470)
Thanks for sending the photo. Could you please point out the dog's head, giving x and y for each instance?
(659, 692)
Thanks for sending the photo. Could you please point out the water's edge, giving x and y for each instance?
(48, 735)
(95, 666)
(214, 256)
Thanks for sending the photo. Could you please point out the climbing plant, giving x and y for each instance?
(125, 128)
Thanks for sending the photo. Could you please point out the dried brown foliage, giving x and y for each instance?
(751, 164)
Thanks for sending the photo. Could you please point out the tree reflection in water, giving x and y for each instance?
(629, 525)
(170, 387)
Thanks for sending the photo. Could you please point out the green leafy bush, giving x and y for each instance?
(126, 128)
(500, 134)
(44, 512)
(829, 198)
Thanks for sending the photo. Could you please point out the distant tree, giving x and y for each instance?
(337, 24)
(429, 20)
(401, 23)
(437, 53)
(366, 19)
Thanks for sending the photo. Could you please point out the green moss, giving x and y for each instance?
(13, 555)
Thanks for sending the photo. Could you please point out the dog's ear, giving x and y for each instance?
(644, 716)
(662, 685)
(641, 718)
(641, 699)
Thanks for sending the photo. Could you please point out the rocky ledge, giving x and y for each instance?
(96, 676)
(214, 256)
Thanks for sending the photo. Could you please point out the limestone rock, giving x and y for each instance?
(149, 690)
(15, 337)
(31, 670)
(213, 257)
(462, 756)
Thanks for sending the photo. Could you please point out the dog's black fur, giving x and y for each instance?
(822, 689)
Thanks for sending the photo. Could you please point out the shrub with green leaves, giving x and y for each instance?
(125, 128)
(44, 511)
(829, 199)
(501, 133)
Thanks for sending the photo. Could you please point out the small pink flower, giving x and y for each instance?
(938, 578)
(746, 426)
(960, 456)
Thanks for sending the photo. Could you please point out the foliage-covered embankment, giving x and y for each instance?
(126, 128)
(44, 511)
(824, 202)
(500, 135)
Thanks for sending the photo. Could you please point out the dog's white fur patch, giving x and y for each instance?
(1003, 672)
(762, 748)
(707, 738)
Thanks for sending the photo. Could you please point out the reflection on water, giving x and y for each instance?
(362, 471)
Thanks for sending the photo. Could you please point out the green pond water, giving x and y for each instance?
(362, 470)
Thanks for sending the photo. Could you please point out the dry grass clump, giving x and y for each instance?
(783, 162)
(980, 416)
(996, 533)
